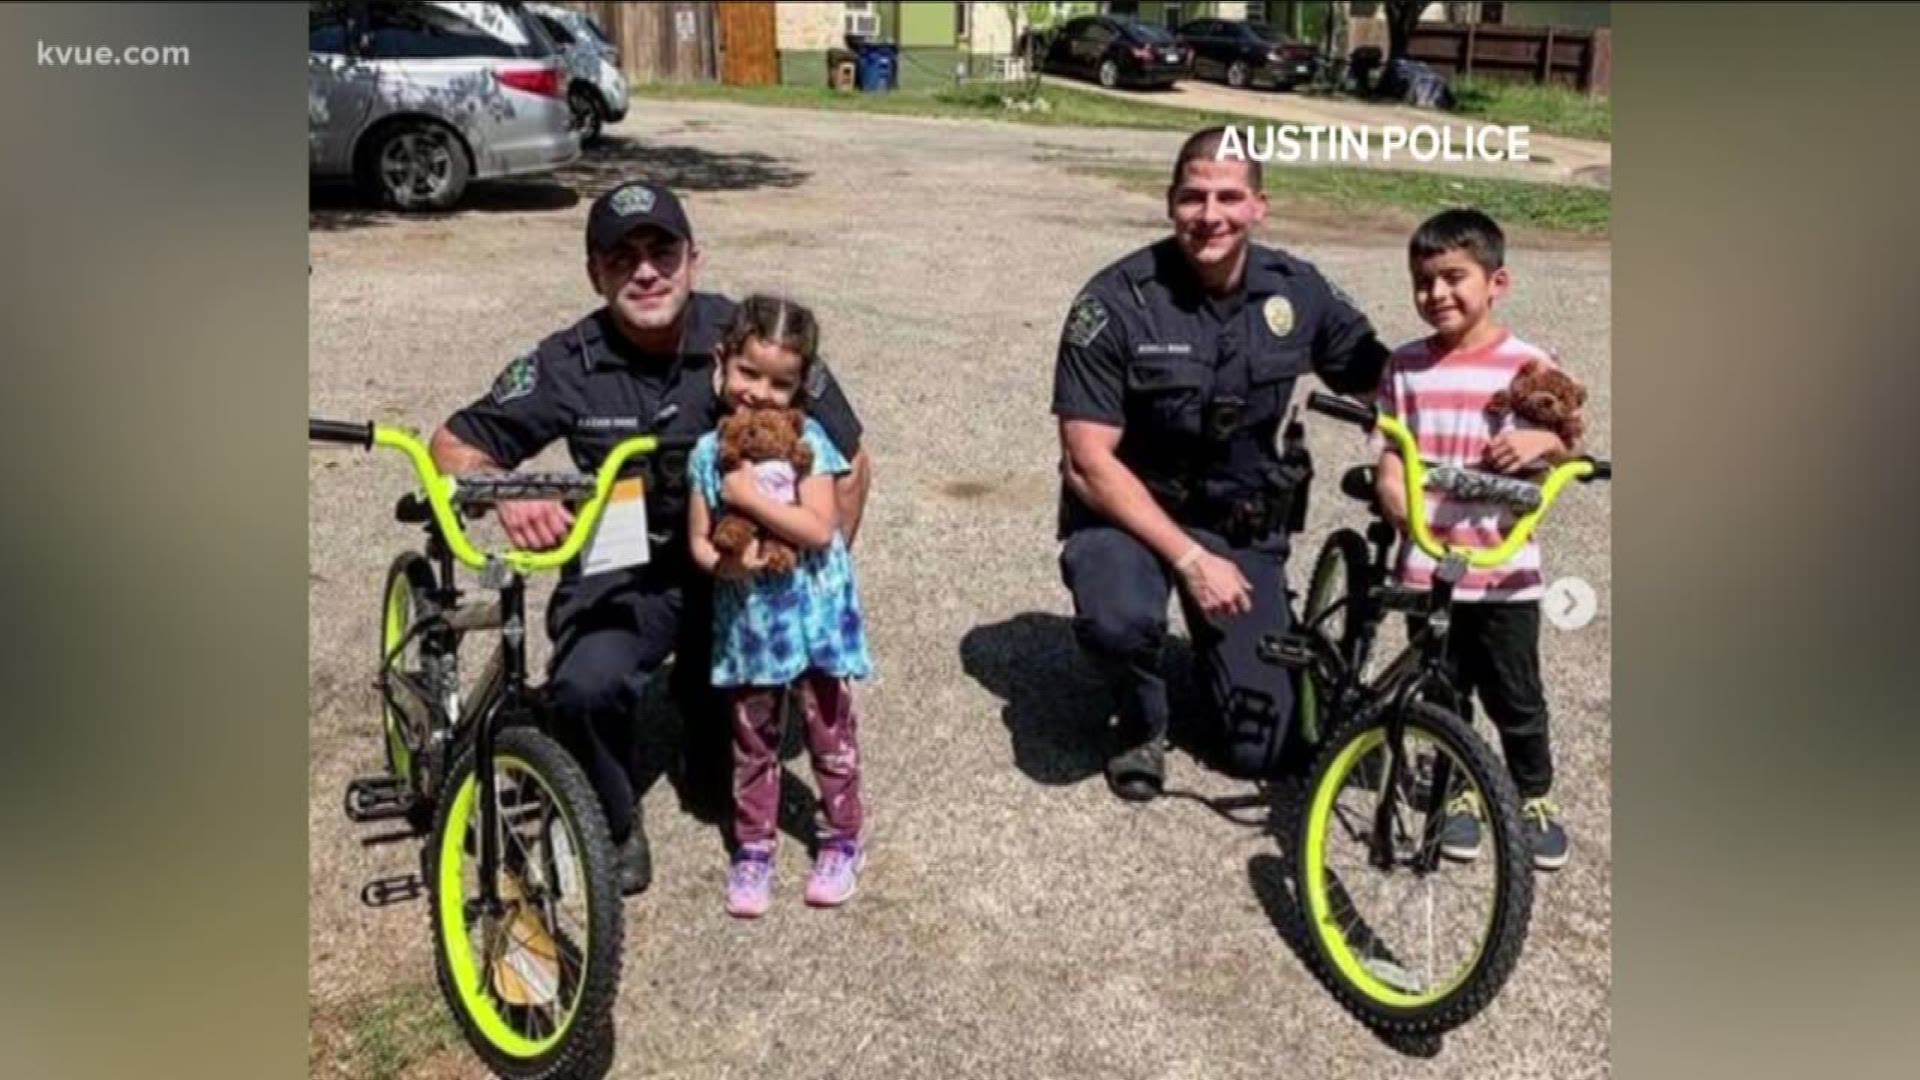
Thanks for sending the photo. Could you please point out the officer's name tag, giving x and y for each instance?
(1157, 348)
(620, 539)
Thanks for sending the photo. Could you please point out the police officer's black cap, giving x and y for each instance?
(634, 205)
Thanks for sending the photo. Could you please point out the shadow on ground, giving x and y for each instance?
(1057, 709)
(337, 207)
(681, 169)
(700, 771)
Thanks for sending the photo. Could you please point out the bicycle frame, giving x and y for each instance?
(1422, 664)
(503, 686)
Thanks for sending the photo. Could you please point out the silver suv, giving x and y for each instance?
(597, 88)
(413, 100)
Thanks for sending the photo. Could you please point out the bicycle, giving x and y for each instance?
(1363, 732)
(518, 863)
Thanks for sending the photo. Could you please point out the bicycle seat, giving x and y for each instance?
(412, 510)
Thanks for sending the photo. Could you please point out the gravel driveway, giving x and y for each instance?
(1015, 920)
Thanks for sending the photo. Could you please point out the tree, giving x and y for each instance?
(1402, 17)
(1026, 20)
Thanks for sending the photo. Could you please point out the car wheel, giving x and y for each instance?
(1109, 74)
(1237, 75)
(416, 165)
(588, 119)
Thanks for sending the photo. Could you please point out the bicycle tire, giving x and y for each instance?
(409, 589)
(1365, 996)
(583, 1025)
(1346, 552)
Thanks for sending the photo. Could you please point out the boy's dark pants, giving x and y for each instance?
(1494, 651)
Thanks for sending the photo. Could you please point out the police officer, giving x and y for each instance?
(641, 364)
(1175, 368)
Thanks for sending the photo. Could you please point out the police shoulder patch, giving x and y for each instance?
(1086, 320)
(517, 380)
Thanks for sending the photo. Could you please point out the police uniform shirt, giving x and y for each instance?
(590, 386)
(1197, 383)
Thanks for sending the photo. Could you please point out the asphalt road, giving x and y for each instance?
(1015, 921)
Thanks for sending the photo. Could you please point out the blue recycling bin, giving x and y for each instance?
(876, 66)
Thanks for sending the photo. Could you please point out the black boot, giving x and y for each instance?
(634, 859)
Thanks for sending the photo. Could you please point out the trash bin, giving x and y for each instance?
(879, 65)
(843, 70)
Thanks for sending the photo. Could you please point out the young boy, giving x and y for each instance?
(1439, 387)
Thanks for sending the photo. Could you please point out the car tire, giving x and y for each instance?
(589, 115)
(415, 165)
(1109, 74)
(1237, 75)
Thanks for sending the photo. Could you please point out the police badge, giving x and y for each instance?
(1085, 321)
(1279, 313)
(632, 200)
(516, 381)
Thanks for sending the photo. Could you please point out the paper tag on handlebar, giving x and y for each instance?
(620, 540)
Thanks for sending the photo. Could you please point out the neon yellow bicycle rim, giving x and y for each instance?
(451, 906)
(1320, 920)
(399, 612)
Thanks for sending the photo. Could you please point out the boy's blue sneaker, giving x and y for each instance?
(1539, 820)
(1460, 833)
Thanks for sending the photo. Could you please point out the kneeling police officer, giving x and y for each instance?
(1175, 369)
(640, 364)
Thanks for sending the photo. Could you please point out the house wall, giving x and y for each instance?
(925, 24)
(930, 52)
(808, 27)
(993, 29)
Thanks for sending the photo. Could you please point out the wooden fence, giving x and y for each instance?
(687, 41)
(1569, 56)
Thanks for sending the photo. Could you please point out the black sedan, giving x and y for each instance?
(1245, 54)
(1116, 52)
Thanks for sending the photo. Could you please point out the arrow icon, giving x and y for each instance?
(1570, 603)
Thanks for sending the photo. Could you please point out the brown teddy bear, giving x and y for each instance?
(769, 440)
(1547, 396)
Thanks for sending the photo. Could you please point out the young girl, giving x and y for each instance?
(772, 632)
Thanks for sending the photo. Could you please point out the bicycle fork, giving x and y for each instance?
(513, 635)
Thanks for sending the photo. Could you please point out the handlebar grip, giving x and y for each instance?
(1341, 409)
(340, 431)
(1602, 469)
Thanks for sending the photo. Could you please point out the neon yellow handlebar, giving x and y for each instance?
(440, 489)
(1479, 558)
(1416, 474)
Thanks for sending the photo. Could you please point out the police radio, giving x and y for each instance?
(1296, 466)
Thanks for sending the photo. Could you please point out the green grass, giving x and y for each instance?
(1553, 110)
(1341, 193)
(387, 1033)
(1075, 108)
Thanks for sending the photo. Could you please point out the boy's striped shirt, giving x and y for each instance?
(1443, 402)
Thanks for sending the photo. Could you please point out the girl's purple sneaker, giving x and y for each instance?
(750, 883)
(836, 873)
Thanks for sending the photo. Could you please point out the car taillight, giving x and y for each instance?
(542, 81)
(1143, 52)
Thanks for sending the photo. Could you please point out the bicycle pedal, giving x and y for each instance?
(378, 798)
(394, 890)
(1290, 650)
